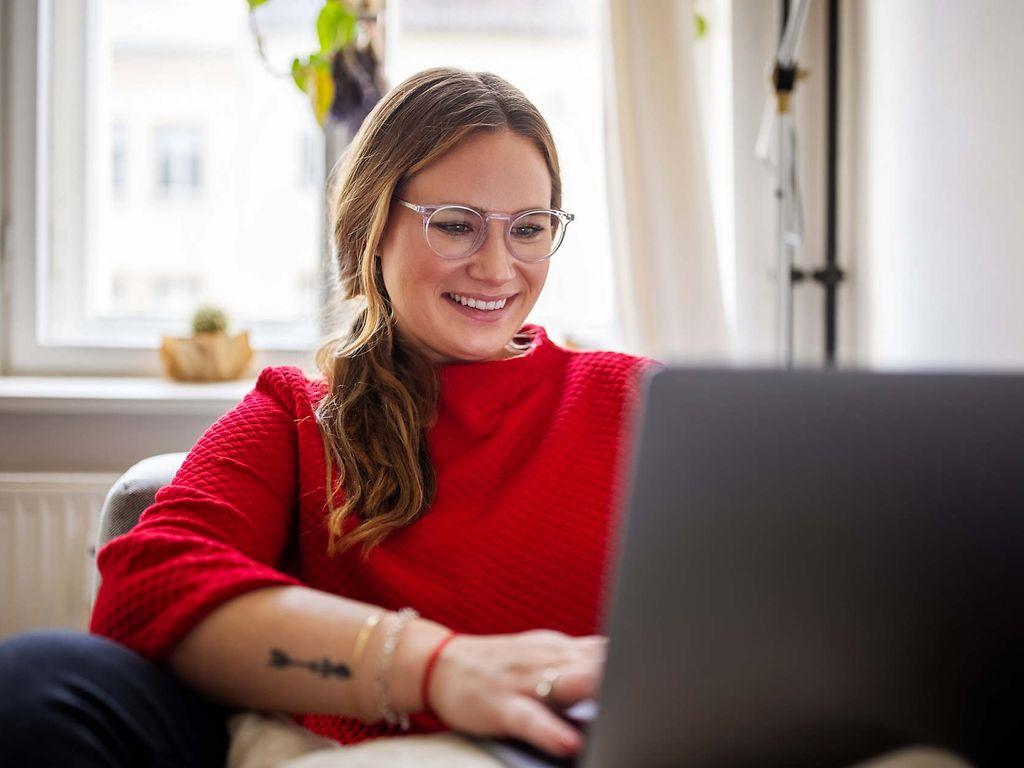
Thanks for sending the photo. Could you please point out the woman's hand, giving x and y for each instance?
(491, 685)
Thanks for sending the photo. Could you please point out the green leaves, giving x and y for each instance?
(335, 26)
(300, 74)
(701, 23)
(335, 30)
(313, 77)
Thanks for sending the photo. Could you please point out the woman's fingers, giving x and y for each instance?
(511, 685)
(593, 647)
(573, 684)
(529, 720)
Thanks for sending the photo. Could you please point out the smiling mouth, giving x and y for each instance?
(480, 306)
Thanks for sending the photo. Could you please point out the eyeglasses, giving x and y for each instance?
(457, 231)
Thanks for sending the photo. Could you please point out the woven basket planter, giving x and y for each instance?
(206, 356)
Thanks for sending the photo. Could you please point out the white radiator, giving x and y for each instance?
(48, 526)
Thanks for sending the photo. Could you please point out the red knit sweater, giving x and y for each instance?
(527, 454)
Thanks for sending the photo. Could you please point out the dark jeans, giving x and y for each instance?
(68, 698)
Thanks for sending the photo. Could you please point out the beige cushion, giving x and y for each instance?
(274, 741)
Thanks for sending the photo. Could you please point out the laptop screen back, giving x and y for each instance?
(818, 567)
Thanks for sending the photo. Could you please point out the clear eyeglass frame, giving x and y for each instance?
(485, 217)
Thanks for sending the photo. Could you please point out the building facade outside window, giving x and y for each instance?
(179, 161)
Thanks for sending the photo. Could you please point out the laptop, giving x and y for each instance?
(817, 568)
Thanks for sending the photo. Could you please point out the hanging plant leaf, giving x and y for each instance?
(313, 77)
(335, 26)
(299, 74)
(701, 22)
(324, 93)
(320, 75)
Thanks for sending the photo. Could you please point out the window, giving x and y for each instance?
(178, 161)
(167, 165)
(165, 170)
(118, 161)
(311, 160)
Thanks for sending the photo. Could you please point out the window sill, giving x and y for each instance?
(77, 395)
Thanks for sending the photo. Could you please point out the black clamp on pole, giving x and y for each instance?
(784, 80)
(831, 276)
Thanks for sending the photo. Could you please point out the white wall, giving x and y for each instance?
(755, 30)
(108, 441)
(934, 176)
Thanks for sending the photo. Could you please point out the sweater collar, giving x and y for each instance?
(491, 382)
(501, 381)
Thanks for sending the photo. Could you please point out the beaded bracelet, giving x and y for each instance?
(387, 657)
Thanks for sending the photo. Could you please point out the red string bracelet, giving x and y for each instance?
(428, 671)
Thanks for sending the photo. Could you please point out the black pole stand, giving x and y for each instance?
(831, 275)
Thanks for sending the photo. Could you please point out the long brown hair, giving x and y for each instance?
(381, 392)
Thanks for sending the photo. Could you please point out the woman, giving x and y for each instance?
(471, 465)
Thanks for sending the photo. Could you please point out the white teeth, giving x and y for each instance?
(477, 303)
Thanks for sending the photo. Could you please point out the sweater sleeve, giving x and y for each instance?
(215, 532)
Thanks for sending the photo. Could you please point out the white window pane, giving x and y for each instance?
(118, 160)
(552, 52)
(172, 168)
(178, 160)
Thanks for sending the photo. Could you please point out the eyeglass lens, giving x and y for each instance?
(454, 232)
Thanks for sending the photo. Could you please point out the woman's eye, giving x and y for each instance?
(453, 228)
(526, 232)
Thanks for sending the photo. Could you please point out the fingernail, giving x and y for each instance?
(569, 742)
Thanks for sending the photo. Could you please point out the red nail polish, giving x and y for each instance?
(569, 742)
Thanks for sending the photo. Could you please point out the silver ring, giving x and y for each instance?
(547, 681)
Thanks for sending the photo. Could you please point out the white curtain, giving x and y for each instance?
(668, 282)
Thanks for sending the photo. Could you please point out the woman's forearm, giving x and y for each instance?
(290, 649)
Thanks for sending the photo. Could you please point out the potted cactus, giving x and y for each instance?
(210, 353)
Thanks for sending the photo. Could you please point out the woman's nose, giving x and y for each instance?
(493, 262)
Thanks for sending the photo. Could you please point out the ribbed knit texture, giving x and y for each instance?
(528, 453)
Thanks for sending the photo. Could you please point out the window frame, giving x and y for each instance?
(25, 241)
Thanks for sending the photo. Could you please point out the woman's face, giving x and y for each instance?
(499, 172)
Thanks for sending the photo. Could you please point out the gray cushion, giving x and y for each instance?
(133, 492)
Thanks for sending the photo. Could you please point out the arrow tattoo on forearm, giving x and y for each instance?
(324, 667)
